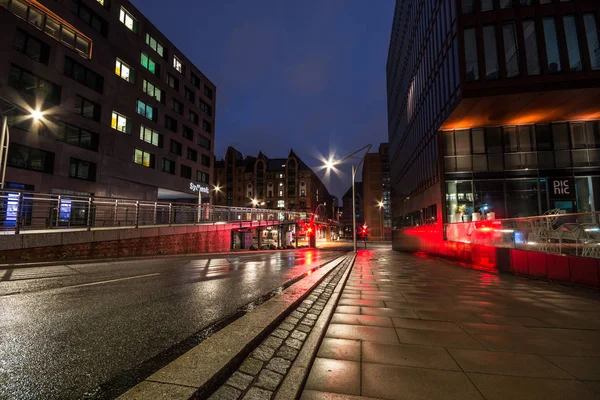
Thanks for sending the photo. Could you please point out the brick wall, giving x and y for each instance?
(196, 242)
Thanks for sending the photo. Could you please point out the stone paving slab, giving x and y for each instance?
(408, 327)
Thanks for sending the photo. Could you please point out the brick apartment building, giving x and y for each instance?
(126, 114)
(376, 190)
(275, 183)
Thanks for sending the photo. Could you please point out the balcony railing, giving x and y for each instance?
(27, 212)
(570, 234)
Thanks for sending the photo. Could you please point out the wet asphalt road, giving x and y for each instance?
(66, 329)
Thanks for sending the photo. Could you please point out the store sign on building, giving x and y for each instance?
(561, 188)
(199, 188)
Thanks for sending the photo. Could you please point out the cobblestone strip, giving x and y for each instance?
(261, 373)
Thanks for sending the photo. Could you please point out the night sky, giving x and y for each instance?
(301, 74)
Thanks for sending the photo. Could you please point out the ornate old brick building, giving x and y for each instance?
(277, 183)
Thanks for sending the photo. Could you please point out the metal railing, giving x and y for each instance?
(571, 234)
(22, 212)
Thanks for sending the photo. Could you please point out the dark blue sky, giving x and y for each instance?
(302, 74)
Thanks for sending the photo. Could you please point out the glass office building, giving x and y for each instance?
(493, 107)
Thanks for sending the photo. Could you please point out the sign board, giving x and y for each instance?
(561, 188)
(199, 188)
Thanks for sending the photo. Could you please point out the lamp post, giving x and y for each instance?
(330, 164)
(380, 205)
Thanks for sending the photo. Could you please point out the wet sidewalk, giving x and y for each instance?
(420, 328)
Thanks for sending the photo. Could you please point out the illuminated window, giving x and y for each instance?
(100, 1)
(149, 64)
(153, 91)
(150, 136)
(146, 110)
(155, 45)
(143, 158)
(127, 19)
(124, 71)
(177, 64)
(120, 123)
(280, 203)
(281, 193)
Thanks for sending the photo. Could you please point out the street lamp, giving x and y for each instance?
(380, 205)
(254, 202)
(36, 115)
(330, 164)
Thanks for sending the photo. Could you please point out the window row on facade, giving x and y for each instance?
(51, 25)
(560, 43)
(514, 198)
(471, 6)
(34, 159)
(541, 146)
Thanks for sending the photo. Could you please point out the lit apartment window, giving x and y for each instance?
(149, 64)
(155, 45)
(153, 91)
(177, 64)
(143, 158)
(146, 110)
(150, 136)
(120, 123)
(127, 19)
(124, 71)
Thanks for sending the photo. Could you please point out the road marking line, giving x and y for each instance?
(111, 280)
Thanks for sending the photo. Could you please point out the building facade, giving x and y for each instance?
(490, 105)
(274, 183)
(347, 208)
(376, 193)
(125, 113)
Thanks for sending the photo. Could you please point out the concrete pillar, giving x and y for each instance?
(259, 237)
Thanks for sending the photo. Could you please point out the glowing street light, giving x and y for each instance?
(330, 165)
(254, 202)
(36, 115)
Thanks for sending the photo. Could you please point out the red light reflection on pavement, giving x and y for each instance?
(429, 240)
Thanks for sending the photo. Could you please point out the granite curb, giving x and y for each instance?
(198, 371)
(292, 385)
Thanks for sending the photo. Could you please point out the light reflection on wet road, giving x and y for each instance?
(66, 329)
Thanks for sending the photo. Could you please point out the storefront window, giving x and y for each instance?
(459, 201)
(583, 187)
(522, 198)
(489, 198)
